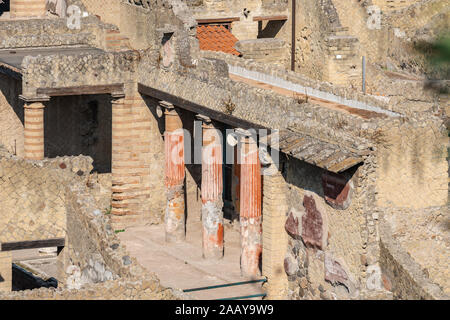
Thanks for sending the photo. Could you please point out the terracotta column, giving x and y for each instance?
(175, 221)
(34, 130)
(250, 206)
(212, 188)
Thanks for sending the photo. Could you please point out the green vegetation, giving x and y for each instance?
(437, 55)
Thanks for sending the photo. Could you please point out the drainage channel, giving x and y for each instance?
(241, 283)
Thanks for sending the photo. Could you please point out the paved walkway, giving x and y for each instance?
(182, 266)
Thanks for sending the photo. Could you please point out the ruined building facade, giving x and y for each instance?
(359, 180)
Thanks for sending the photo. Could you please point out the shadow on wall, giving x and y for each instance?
(4, 6)
(10, 89)
(270, 29)
(80, 125)
(311, 178)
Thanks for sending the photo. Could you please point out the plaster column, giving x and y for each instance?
(250, 207)
(175, 220)
(34, 130)
(212, 188)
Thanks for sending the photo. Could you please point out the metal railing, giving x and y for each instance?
(231, 285)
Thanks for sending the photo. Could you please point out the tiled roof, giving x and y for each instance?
(216, 38)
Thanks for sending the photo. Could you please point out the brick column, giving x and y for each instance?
(123, 183)
(27, 8)
(5, 271)
(250, 207)
(34, 130)
(212, 188)
(275, 239)
(175, 220)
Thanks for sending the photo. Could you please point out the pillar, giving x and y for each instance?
(275, 242)
(212, 188)
(250, 207)
(34, 130)
(123, 183)
(5, 271)
(27, 8)
(175, 220)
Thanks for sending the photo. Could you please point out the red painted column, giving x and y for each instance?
(212, 188)
(250, 208)
(175, 220)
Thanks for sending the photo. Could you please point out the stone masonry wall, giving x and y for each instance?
(11, 115)
(32, 196)
(273, 51)
(413, 155)
(327, 245)
(93, 264)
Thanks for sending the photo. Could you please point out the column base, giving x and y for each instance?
(175, 220)
(251, 247)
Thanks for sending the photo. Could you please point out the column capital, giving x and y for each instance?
(117, 95)
(34, 99)
(203, 118)
(167, 105)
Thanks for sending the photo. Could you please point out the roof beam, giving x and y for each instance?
(81, 90)
(196, 108)
(270, 18)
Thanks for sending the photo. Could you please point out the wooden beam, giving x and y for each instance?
(33, 244)
(81, 90)
(219, 20)
(196, 108)
(270, 18)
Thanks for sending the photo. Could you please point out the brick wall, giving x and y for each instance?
(137, 161)
(27, 8)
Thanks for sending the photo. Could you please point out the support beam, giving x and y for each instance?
(250, 206)
(34, 130)
(175, 219)
(212, 188)
(33, 244)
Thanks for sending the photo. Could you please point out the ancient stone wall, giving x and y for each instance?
(93, 260)
(51, 33)
(402, 273)
(413, 155)
(97, 69)
(11, 115)
(32, 196)
(326, 244)
(392, 5)
(273, 51)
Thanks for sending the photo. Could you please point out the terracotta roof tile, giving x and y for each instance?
(216, 38)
